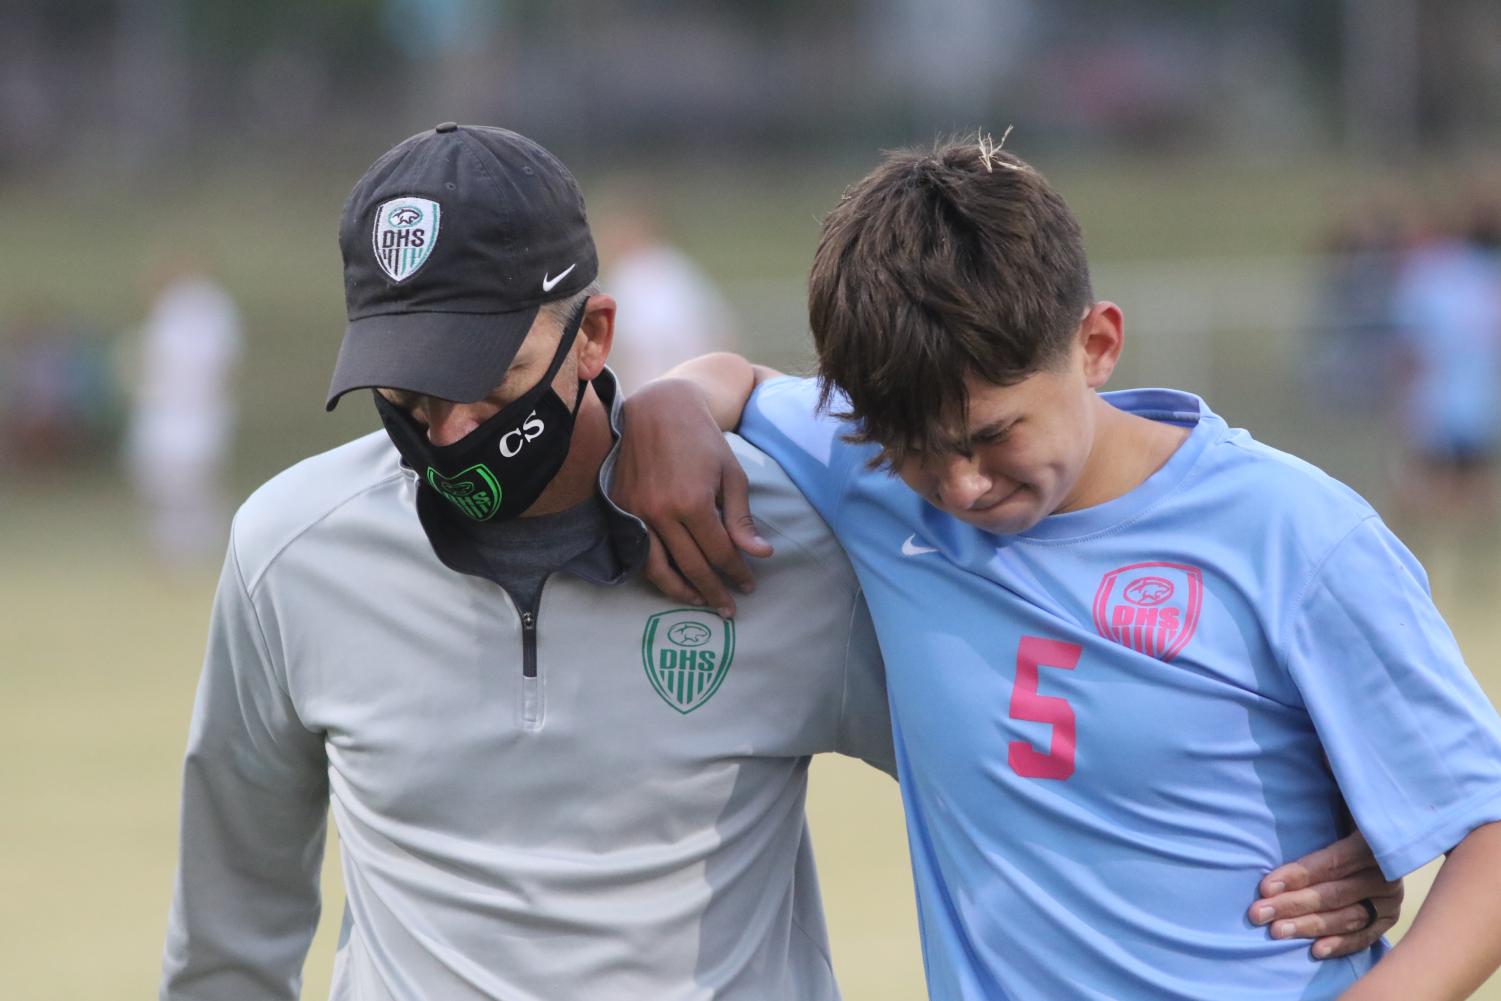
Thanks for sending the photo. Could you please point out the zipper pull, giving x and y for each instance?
(528, 644)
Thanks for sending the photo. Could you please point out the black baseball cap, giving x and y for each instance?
(451, 242)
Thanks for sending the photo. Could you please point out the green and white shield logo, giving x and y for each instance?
(687, 652)
(475, 491)
(405, 231)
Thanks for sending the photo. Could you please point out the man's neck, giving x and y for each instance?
(578, 479)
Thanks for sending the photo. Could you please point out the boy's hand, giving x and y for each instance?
(1319, 897)
(676, 473)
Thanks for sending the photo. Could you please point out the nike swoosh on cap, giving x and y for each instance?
(548, 284)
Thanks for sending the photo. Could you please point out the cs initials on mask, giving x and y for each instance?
(513, 442)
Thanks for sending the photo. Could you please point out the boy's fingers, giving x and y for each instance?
(690, 562)
(1335, 946)
(1341, 921)
(713, 540)
(660, 573)
(1324, 897)
(735, 500)
(1340, 931)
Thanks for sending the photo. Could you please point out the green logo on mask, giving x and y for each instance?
(475, 491)
(687, 652)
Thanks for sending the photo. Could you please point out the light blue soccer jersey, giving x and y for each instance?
(1110, 727)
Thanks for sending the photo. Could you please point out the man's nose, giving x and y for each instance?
(960, 483)
(447, 421)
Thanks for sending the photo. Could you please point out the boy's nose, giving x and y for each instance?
(961, 484)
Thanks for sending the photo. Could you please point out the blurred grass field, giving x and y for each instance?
(101, 649)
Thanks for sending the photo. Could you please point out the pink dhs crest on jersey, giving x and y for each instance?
(1153, 608)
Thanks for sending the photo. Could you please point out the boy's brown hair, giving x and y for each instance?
(937, 265)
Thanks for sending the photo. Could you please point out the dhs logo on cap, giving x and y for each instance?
(405, 231)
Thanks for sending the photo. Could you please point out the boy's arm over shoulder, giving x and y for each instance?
(674, 472)
(1414, 742)
(254, 807)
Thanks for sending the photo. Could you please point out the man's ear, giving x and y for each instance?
(1102, 334)
(596, 335)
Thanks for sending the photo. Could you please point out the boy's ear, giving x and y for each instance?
(1102, 334)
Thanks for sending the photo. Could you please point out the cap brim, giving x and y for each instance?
(453, 356)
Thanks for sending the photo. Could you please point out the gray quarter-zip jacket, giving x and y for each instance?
(603, 803)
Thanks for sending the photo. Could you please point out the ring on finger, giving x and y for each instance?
(1370, 913)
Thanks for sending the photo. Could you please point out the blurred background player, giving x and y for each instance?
(58, 401)
(676, 311)
(1446, 309)
(183, 411)
(1351, 365)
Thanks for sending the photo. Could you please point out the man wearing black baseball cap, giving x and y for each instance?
(550, 782)
(452, 241)
(442, 306)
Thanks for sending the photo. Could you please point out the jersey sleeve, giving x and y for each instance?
(254, 814)
(865, 717)
(783, 420)
(1414, 742)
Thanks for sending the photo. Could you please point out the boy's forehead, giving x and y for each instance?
(987, 402)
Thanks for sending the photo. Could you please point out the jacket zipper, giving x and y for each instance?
(531, 685)
(529, 632)
(529, 644)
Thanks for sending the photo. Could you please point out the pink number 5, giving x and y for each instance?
(1027, 704)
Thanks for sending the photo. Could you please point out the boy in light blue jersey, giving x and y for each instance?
(1119, 635)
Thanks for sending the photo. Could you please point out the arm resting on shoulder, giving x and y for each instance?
(723, 382)
(676, 474)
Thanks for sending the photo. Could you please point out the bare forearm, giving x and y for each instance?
(1455, 940)
(674, 465)
(726, 382)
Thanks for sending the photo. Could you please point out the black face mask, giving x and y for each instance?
(499, 469)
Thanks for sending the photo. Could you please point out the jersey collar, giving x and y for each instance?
(1168, 406)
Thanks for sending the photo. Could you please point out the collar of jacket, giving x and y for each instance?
(620, 554)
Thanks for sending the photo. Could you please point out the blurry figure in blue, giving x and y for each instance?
(183, 413)
(1448, 308)
(1354, 354)
(54, 380)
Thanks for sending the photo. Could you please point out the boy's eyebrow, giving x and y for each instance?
(993, 427)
